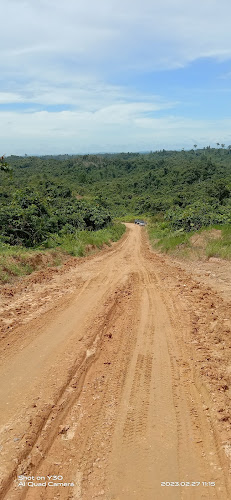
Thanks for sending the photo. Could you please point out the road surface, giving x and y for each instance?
(106, 382)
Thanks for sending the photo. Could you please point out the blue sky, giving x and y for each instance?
(114, 75)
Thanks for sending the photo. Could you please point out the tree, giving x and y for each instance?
(4, 165)
(219, 190)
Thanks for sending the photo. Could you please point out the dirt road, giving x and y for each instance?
(115, 375)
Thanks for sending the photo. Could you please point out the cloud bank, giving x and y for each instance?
(70, 72)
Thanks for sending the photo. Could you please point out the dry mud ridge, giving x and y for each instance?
(115, 376)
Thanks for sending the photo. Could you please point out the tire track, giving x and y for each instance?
(39, 441)
(132, 411)
(98, 403)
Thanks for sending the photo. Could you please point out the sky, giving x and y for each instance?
(93, 76)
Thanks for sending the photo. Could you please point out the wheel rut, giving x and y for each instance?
(118, 408)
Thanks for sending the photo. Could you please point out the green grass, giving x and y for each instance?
(164, 239)
(81, 243)
(220, 247)
(17, 261)
(173, 241)
(179, 242)
(14, 262)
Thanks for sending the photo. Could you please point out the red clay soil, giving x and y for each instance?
(115, 376)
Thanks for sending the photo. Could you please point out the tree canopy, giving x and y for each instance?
(57, 194)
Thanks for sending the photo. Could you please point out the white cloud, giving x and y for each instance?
(9, 97)
(70, 53)
(80, 132)
(85, 93)
(116, 33)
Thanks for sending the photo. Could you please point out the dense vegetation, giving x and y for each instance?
(29, 215)
(191, 188)
(46, 200)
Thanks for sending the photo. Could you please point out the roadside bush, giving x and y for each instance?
(29, 219)
(196, 216)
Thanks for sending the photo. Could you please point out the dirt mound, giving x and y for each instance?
(39, 260)
(13, 267)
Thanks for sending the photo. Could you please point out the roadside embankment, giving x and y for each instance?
(18, 261)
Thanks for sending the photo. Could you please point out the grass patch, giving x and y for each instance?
(220, 247)
(17, 261)
(164, 239)
(211, 241)
(82, 243)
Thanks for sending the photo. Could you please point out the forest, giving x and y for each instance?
(49, 198)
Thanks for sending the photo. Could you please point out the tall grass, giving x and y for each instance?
(81, 243)
(164, 239)
(178, 243)
(220, 247)
(16, 261)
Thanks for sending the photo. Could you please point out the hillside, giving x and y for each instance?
(68, 203)
(132, 182)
